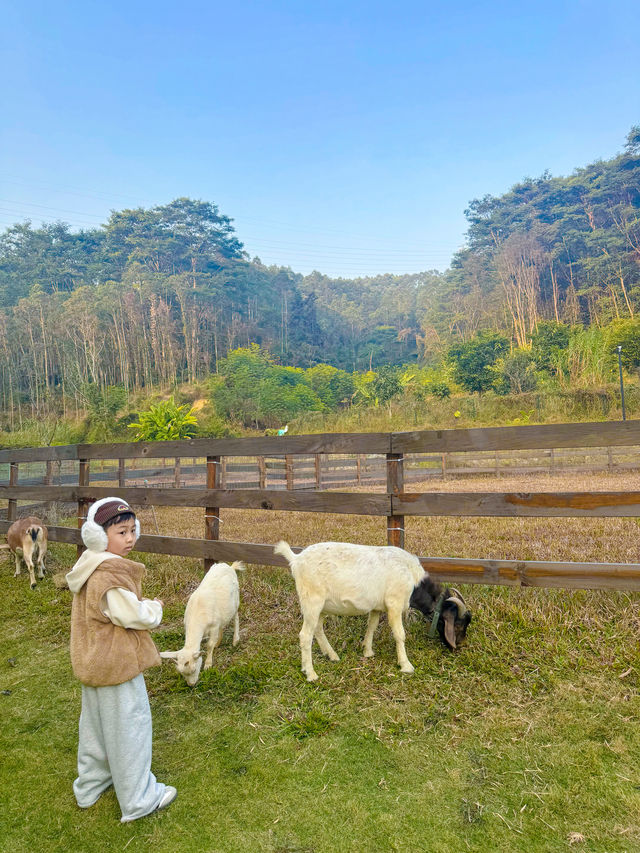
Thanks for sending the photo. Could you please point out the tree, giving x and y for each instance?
(624, 333)
(334, 387)
(633, 141)
(472, 360)
(242, 372)
(375, 388)
(103, 405)
(184, 236)
(258, 392)
(515, 373)
(386, 384)
(547, 342)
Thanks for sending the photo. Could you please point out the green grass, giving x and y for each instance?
(477, 410)
(526, 740)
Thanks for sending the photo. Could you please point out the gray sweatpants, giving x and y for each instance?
(114, 748)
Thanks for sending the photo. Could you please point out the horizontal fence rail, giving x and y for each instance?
(79, 468)
(324, 471)
(617, 433)
(532, 504)
(526, 573)
(332, 471)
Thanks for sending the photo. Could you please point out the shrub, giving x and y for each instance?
(440, 390)
(165, 421)
(472, 360)
(515, 373)
(334, 387)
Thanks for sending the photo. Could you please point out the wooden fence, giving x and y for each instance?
(323, 471)
(392, 505)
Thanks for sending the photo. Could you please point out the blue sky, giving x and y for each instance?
(346, 137)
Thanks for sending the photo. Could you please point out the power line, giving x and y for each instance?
(294, 227)
(311, 252)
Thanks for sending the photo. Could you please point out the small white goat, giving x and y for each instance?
(210, 608)
(344, 579)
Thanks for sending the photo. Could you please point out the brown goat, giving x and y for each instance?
(27, 539)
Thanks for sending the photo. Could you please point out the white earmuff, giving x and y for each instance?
(93, 534)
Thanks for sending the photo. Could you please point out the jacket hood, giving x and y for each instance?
(85, 567)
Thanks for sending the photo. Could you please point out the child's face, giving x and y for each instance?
(121, 537)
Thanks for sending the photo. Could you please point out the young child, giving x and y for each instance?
(110, 649)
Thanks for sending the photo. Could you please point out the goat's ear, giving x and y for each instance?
(196, 655)
(449, 617)
(169, 655)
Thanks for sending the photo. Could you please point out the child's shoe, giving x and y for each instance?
(168, 797)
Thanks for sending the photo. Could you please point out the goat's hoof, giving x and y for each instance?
(408, 669)
(333, 657)
(33, 586)
(312, 676)
(366, 654)
(207, 665)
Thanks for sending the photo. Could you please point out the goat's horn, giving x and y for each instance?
(457, 594)
(462, 607)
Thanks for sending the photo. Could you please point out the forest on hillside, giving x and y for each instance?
(548, 283)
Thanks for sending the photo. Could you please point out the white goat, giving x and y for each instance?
(210, 608)
(344, 579)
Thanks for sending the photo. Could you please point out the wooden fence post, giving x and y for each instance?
(176, 473)
(83, 504)
(262, 473)
(288, 466)
(48, 481)
(12, 507)
(122, 474)
(318, 467)
(212, 513)
(395, 485)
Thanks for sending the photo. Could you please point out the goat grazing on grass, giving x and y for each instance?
(27, 539)
(210, 608)
(342, 579)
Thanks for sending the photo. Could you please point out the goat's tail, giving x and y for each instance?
(37, 533)
(238, 566)
(285, 551)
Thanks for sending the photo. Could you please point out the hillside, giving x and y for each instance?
(161, 296)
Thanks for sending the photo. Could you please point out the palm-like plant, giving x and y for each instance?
(165, 421)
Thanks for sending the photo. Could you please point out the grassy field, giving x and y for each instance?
(527, 739)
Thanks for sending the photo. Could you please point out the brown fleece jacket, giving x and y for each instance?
(102, 653)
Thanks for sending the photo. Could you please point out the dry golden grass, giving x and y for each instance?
(561, 539)
(269, 598)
